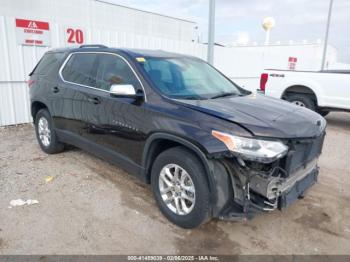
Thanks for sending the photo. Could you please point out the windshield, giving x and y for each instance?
(187, 78)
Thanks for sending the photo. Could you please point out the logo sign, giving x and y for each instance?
(292, 62)
(30, 32)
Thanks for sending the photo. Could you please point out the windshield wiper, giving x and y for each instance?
(190, 97)
(225, 95)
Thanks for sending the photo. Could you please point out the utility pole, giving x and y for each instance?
(326, 35)
(211, 32)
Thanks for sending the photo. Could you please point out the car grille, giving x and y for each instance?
(302, 152)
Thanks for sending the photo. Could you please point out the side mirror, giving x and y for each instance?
(124, 91)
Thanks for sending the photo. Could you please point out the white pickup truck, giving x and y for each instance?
(322, 91)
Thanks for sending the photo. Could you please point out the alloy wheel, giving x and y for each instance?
(44, 131)
(177, 189)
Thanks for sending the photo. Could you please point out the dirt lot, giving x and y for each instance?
(91, 207)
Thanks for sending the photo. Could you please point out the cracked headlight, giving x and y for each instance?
(265, 151)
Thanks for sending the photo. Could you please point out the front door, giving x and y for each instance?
(115, 123)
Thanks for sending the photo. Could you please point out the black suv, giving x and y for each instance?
(208, 147)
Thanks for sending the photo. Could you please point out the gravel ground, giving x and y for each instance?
(92, 207)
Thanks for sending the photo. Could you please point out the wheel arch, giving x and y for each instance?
(36, 106)
(159, 142)
(300, 89)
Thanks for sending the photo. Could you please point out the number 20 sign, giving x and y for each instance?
(75, 36)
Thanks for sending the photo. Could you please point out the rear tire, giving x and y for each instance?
(45, 133)
(194, 187)
(302, 100)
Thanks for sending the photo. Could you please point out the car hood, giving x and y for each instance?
(263, 116)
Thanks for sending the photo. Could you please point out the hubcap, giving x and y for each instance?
(44, 131)
(177, 189)
(299, 103)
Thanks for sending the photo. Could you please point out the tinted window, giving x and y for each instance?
(187, 78)
(79, 69)
(113, 70)
(49, 64)
(162, 67)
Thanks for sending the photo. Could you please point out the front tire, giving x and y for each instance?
(180, 187)
(45, 133)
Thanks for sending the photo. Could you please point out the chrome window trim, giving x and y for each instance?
(95, 88)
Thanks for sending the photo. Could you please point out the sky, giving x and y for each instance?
(240, 20)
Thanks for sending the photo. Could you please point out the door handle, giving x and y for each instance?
(94, 100)
(55, 89)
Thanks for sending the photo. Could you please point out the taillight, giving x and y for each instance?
(263, 80)
(30, 82)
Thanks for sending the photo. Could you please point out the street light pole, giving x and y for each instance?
(211, 32)
(326, 35)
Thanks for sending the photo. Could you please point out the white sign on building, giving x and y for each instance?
(30, 32)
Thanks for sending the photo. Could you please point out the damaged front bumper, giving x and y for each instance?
(256, 191)
(267, 195)
(249, 202)
(274, 187)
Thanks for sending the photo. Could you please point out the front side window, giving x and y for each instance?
(80, 69)
(187, 78)
(113, 70)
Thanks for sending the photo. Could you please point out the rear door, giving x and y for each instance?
(78, 78)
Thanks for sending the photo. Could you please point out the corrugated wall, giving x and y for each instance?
(118, 26)
(17, 61)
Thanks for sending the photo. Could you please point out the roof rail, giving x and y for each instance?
(93, 46)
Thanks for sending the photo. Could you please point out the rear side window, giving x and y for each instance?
(49, 65)
(80, 69)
